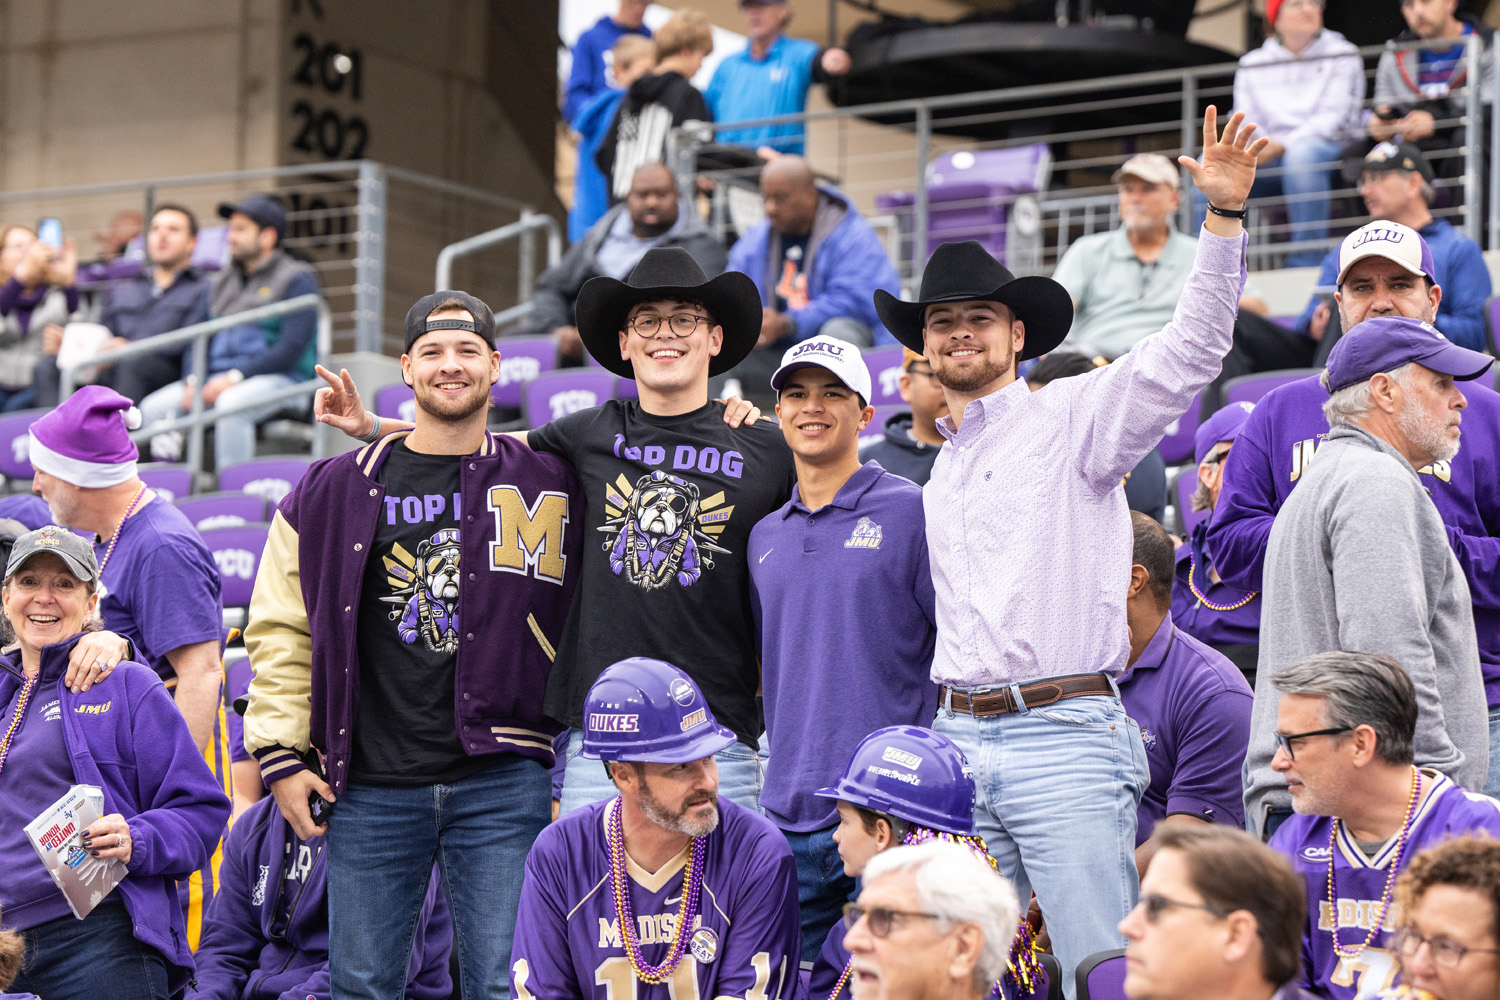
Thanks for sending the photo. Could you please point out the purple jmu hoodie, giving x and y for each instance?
(126, 735)
(1280, 438)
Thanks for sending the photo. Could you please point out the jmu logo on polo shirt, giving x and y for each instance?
(866, 535)
(604, 722)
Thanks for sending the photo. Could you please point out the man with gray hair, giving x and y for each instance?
(1358, 558)
(1345, 729)
(932, 923)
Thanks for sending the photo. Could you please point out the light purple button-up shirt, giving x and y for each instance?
(1027, 526)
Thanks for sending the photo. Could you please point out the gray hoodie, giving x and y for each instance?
(1359, 560)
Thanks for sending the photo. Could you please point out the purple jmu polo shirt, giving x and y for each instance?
(842, 599)
(1272, 452)
(1193, 707)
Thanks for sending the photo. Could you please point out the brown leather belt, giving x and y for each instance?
(1037, 694)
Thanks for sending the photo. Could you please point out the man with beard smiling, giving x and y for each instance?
(1027, 530)
(402, 628)
(1358, 557)
(664, 890)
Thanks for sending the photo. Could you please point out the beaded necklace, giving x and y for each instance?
(15, 724)
(1390, 878)
(1210, 605)
(110, 550)
(692, 885)
(1023, 969)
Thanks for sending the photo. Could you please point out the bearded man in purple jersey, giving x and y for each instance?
(665, 890)
(1345, 730)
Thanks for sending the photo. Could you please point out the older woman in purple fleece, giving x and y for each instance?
(163, 811)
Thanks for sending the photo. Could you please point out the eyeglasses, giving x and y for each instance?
(880, 917)
(682, 324)
(1443, 952)
(1216, 457)
(1284, 740)
(925, 373)
(1155, 906)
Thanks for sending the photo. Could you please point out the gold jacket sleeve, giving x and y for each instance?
(279, 640)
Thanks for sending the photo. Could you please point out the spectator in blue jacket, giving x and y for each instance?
(634, 57)
(266, 937)
(770, 77)
(253, 359)
(590, 74)
(816, 262)
(1396, 182)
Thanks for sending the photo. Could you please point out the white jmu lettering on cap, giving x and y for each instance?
(1373, 234)
(601, 722)
(896, 755)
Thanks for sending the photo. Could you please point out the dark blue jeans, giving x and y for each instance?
(98, 956)
(822, 886)
(382, 840)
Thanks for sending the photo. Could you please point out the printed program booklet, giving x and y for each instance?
(57, 835)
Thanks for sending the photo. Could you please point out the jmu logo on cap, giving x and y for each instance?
(692, 719)
(682, 692)
(604, 722)
(1375, 234)
(810, 347)
(895, 755)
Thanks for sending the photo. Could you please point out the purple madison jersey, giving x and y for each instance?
(1448, 811)
(746, 939)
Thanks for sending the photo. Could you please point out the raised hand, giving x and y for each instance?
(339, 405)
(1228, 167)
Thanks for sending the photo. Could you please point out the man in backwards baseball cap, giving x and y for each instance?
(861, 526)
(1359, 557)
(665, 888)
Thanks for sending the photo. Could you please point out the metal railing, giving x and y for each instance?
(197, 420)
(524, 230)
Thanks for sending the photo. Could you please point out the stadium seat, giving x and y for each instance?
(521, 360)
(1249, 388)
(1052, 977)
(212, 251)
(272, 478)
(1183, 486)
(1177, 445)
(15, 448)
(884, 363)
(222, 510)
(237, 553)
(557, 393)
(169, 480)
(972, 194)
(625, 388)
(1101, 976)
(396, 402)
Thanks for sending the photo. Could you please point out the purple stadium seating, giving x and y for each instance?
(1101, 976)
(237, 553)
(557, 393)
(212, 251)
(173, 482)
(15, 446)
(223, 510)
(272, 478)
(396, 402)
(1183, 487)
(625, 388)
(1177, 446)
(969, 194)
(1249, 388)
(884, 363)
(521, 360)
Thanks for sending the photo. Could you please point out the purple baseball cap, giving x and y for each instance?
(1390, 240)
(1386, 343)
(1224, 425)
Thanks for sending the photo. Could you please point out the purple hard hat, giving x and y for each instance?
(647, 710)
(913, 774)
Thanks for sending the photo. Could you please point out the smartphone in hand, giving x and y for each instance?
(50, 232)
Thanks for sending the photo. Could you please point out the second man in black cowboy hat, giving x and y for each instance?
(1027, 530)
(672, 491)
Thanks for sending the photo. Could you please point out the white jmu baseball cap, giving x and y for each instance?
(838, 356)
(1390, 240)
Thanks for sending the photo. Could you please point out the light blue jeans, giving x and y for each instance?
(1308, 168)
(1057, 792)
(1492, 778)
(382, 840)
(234, 437)
(585, 781)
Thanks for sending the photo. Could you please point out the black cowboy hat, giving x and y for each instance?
(965, 272)
(668, 273)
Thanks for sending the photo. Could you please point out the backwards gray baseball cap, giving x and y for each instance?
(70, 548)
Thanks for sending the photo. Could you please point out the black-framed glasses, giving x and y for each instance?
(927, 373)
(682, 324)
(881, 917)
(1444, 952)
(1216, 457)
(1284, 740)
(1155, 905)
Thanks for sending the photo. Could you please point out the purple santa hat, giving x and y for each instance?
(86, 440)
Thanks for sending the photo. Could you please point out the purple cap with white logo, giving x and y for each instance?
(1390, 240)
(838, 356)
(1386, 343)
(1224, 425)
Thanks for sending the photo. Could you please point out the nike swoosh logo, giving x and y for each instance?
(673, 901)
(763, 558)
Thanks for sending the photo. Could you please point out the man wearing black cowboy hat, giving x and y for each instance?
(1027, 527)
(672, 493)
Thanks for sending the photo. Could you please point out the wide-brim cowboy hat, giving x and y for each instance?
(965, 272)
(668, 273)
